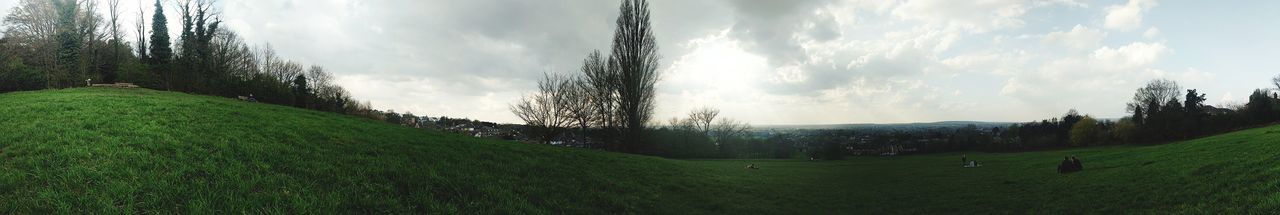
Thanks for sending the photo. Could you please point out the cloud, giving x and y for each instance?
(1078, 39)
(1128, 16)
(979, 16)
(1151, 33)
(1091, 79)
(1130, 56)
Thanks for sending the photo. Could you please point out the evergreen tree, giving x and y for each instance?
(68, 41)
(300, 91)
(161, 53)
(1195, 112)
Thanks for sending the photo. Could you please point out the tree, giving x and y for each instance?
(160, 52)
(1195, 111)
(544, 111)
(1260, 107)
(1170, 120)
(109, 75)
(1085, 132)
(1124, 130)
(31, 33)
(702, 118)
(728, 128)
(677, 123)
(580, 105)
(1138, 116)
(199, 23)
(392, 117)
(300, 91)
(602, 77)
(1276, 81)
(635, 52)
(141, 33)
(68, 39)
(1064, 129)
(1159, 91)
(16, 76)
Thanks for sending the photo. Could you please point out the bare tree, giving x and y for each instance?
(544, 110)
(32, 27)
(1159, 91)
(602, 77)
(702, 119)
(91, 30)
(232, 55)
(580, 105)
(55, 35)
(1276, 81)
(142, 33)
(635, 54)
(728, 128)
(677, 123)
(109, 75)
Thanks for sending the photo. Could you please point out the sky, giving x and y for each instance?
(780, 62)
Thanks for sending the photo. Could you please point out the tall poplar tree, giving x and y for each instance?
(635, 53)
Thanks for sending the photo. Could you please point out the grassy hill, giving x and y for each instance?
(136, 150)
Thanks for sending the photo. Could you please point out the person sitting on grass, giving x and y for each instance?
(1075, 164)
(752, 166)
(1065, 166)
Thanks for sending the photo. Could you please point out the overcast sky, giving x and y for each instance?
(782, 62)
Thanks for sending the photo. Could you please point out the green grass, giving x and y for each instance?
(142, 151)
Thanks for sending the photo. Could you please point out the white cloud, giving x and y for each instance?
(1128, 16)
(979, 16)
(1069, 3)
(1078, 39)
(1151, 33)
(997, 62)
(1130, 56)
(1089, 80)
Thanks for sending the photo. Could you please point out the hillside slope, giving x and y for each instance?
(143, 151)
(137, 150)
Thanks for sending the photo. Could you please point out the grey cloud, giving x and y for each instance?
(768, 27)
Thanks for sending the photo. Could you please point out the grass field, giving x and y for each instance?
(142, 151)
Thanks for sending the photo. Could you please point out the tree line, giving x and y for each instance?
(1160, 111)
(52, 44)
(703, 133)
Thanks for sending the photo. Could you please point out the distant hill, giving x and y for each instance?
(891, 126)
